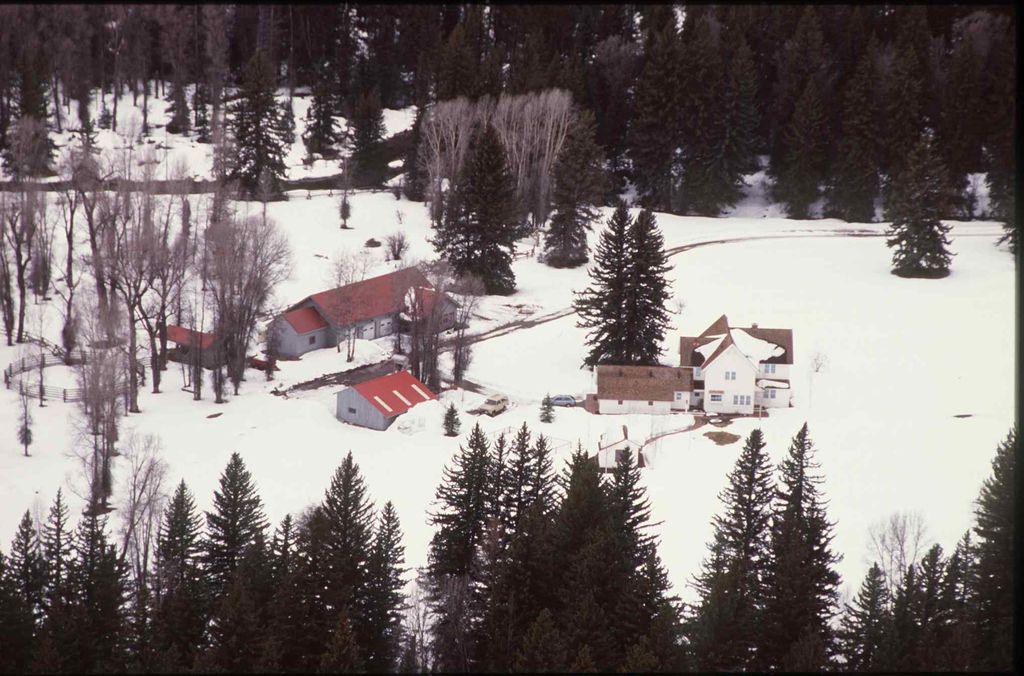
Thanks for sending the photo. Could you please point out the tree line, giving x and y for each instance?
(528, 570)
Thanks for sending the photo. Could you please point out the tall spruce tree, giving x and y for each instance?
(452, 572)
(385, 602)
(180, 594)
(803, 163)
(367, 133)
(97, 617)
(256, 127)
(21, 585)
(414, 182)
(731, 584)
(579, 187)
(854, 185)
(321, 134)
(994, 526)
(349, 516)
(653, 135)
(864, 624)
(482, 218)
(601, 305)
(1001, 155)
(959, 600)
(802, 584)
(30, 149)
(915, 204)
(58, 555)
(234, 525)
(646, 292)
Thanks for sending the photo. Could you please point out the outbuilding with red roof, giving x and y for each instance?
(377, 403)
(371, 308)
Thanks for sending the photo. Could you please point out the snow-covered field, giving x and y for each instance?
(903, 358)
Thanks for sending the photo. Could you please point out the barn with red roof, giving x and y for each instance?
(371, 307)
(377, 403)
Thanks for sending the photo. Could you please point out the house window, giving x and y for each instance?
(312, 340)
(716, 397)
(679, 396)
(650, 403)
(769, 368)
(620, 402)
(735, 400)
(730, 375)
(621, 455)
(351, 410)
(771, 394)
(696, 373)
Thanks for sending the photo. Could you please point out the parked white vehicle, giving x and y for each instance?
(494, 404)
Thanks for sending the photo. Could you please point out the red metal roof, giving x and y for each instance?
(369, 298)
(394, 394)
(305, 319)
(187, 337)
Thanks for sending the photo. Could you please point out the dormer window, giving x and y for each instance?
(769, 368)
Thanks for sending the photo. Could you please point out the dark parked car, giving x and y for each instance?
(563, 400)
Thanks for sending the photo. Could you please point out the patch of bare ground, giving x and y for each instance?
(722, 438)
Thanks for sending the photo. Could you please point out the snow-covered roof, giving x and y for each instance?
(776, 384)
(756, 349)
(772, 346)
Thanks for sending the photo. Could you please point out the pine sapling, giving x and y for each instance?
(547, 409)
(451, 421)
(25, 423)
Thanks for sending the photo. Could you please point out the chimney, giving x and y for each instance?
(754, 325)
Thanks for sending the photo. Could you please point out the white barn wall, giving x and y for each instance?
(714, 379)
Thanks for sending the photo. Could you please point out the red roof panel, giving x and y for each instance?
(305, 319)
(187, 337)
(394, 394)
(369, 298)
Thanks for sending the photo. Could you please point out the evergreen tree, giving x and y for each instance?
(1002, 156)
(854, 186)
(321, 134)
(646, 292)
(915, 204)
(234, 525)
(653, 135)
(179, 585)
(731, 584)
(21, 586)
(930, 611)
(286, 117)
(343, 654)
(864, 624)
(414, 182)
(97, 619)
(258, 136)
(482, 218)
(202, 118)
(543, 648)
(601, 306)
(959, 601)
(994, 526)
(803, 165)
(234, 630)
(901, 115)
(579, 185)
(367, 133)
(349, 517)
(57, 555)
(452, 570)
(30, 149)
(547, 409)
(451, 421)
(802, 585)
(384, 596)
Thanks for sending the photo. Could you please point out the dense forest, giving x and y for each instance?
(684, 103)
(529, 570)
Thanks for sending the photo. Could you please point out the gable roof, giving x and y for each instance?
(640, 383)
(394, 394)
(426, 296)
(368, 298)
(188, 337)
(304, 319)
(778, 341)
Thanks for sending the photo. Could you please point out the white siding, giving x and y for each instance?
(633, 406)
(732, 360)
(681, 402)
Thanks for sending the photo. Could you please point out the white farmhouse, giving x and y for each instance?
(736, 369)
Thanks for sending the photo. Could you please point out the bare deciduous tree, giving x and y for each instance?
(397, 244)
(101, 381)
(143, 501)
(467, 291)
(347, 268)
(20, 225)
(246, 259)
(896, 543)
